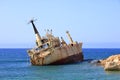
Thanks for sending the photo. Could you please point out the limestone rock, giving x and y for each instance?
(111, 63)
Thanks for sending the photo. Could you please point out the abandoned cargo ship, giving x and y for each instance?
(51, 50)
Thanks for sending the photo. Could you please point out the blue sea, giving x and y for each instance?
(15, 65)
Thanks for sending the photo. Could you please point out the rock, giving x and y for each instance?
(111, 63)
(95, 61)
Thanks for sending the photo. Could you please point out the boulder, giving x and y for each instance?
(111, 63)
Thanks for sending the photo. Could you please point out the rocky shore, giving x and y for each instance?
(112, 63)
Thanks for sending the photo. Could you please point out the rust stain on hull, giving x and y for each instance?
(70, 59)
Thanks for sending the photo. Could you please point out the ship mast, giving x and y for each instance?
(38, 37)
(69, 37)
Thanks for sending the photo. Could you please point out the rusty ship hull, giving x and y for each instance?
(51, 50)
(60, 55)
(70, 59)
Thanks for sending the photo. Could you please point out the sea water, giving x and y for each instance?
(15, 65)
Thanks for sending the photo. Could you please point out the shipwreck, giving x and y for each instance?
(50, 50)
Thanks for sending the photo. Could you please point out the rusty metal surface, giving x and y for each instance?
(59, 55)
(52, 50)
(69, 59)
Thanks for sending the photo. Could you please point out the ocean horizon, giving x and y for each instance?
(15, 65)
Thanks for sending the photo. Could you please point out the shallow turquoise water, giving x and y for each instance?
(15, 65)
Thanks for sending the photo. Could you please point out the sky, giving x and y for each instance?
(96, 23)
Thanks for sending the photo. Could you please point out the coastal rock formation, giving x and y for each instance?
(111, 63)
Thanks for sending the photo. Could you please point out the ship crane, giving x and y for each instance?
(38, 37)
